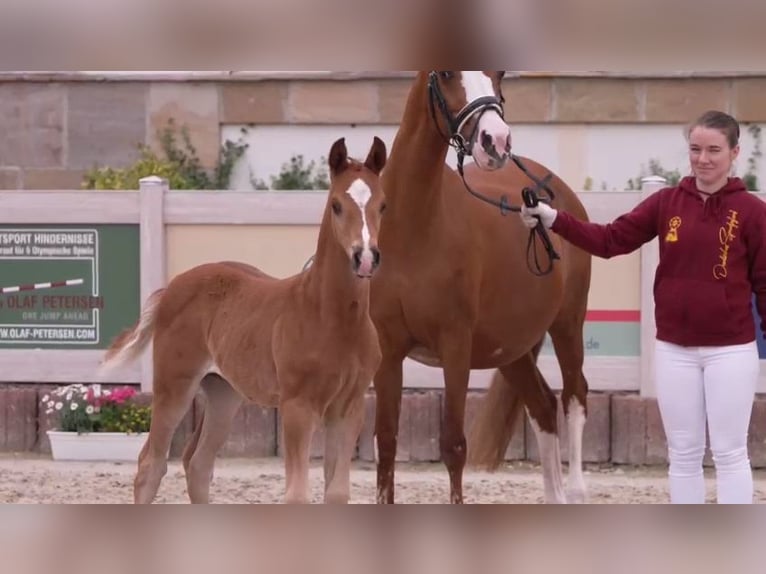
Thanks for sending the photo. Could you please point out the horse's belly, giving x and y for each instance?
(425, 356)
(481, 358)
(258, 386)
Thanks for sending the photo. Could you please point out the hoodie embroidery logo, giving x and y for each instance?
(674, 225)
(725, 237)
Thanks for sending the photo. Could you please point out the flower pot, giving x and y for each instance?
(98, 446)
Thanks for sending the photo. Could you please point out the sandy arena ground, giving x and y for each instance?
(34, 480)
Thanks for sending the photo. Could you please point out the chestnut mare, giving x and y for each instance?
(456, 290)
(305, 344)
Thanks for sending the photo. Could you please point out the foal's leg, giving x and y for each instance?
(299, 419)
(540, 403)
(343, 425)
(455, 351)
(222, 405)
(174, 390)
(567, 336)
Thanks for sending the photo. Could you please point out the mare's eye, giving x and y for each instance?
(336, 207)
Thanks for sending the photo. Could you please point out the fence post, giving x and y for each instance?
(152, 241)
(650, 258)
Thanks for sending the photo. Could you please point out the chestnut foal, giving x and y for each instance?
(305, 344)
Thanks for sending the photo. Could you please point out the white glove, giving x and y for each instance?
(544, 211)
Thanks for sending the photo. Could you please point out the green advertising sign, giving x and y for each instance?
(67, 287)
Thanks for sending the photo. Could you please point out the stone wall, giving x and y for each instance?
(56, 126)
(622, 429)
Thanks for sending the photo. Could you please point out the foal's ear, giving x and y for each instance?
(338, 161)
(376, 160)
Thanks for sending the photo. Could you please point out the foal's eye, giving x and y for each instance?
(447, 75)
(382, 207)
(336, 207)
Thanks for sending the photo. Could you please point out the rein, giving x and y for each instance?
(531, 199)
(464, 146)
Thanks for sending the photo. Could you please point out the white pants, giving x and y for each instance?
(713, 385)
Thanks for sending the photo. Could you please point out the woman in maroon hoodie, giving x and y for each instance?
(712, 235)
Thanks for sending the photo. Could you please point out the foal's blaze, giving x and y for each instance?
(358, 203)
(487, 135)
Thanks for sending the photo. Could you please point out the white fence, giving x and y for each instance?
(154, 207)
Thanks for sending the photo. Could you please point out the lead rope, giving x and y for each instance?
(531, 199)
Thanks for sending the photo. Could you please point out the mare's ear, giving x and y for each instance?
(338, 161)
(376, 160)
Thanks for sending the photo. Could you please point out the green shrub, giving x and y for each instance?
(179, 164)
(297, 176)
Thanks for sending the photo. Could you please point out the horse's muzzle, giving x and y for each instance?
(364, 262)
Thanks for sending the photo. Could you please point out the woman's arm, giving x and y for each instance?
(624, 235)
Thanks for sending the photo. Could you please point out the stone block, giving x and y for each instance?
(10, 178)
(424, 425)
(254, 103)
(32, 123)
(392, 95)
(656, 442)
(757, 436)
(682, 100)
(628, 429)
(253, 433)
(18, 418)
(597, 439)
(595, 100)
(193, 106)
(749, 104)
(105, 124)
(321, 102)
(528, 100)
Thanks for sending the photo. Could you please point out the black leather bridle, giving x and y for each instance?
(464, 147)
(456, 124)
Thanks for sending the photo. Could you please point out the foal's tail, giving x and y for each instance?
(494, 424)
(129, 344)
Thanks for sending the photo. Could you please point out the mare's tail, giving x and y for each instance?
(494, 424)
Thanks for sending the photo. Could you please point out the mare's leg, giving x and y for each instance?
(299, 419)
(388, 383)
(455, 352)
(343, 425)
(175, 385)
(567, 337)
(221, 406)
(540, 403)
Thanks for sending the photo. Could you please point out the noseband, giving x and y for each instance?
(456, 124)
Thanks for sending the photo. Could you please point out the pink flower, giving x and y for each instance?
(121, 395)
